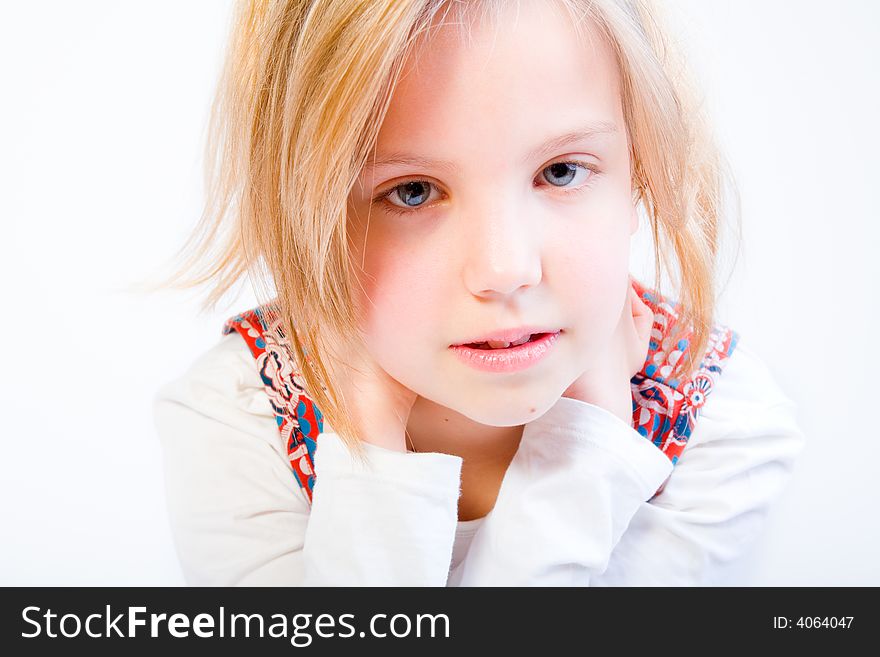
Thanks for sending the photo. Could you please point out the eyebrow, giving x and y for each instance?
(583, 133)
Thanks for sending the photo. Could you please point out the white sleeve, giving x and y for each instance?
(574, 509)
(738, 459)
(568, 494)
(239, 517)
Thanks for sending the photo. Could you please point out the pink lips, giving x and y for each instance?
(509, 335)
(510, 359)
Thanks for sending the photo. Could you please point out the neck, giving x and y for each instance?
(435, 428)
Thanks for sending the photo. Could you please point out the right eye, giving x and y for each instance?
(406, 197)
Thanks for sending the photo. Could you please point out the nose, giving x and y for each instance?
(502, 246)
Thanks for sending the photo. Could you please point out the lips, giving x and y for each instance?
(504, 344)
(504, 338)
(510, 359)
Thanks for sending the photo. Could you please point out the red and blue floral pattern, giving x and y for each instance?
(665, 409)
(299, 420)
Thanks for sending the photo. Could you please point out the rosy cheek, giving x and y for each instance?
(588, 274)
(400, 288)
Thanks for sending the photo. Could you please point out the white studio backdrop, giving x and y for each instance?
(101, 134)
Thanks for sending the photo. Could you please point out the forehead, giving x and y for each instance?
(499, 81)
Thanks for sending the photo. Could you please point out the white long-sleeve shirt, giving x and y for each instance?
(572, 508)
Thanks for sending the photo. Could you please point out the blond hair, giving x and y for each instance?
(301, 99)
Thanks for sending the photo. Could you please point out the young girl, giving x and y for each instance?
(442, 195)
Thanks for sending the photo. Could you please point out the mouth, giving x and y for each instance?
(507, 357)
(508, 338)
(502, 344)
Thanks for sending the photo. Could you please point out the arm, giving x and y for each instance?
(578, 477)
(575, 506)
(737, 461)
(239, 517)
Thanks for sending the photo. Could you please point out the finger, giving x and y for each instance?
(633, 309)
(643, 315)
(640, 332)
(626, 313)
(625, 324)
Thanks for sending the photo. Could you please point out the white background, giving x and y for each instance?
(101, 129)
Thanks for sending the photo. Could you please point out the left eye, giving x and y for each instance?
(560, 174)
(413, 194)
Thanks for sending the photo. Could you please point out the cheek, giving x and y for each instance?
(400, 302)
(593, 289)
(592, 268)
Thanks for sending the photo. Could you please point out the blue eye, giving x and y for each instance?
(560, 174)
(413, 194)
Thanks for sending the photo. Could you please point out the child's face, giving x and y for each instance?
(499, 238)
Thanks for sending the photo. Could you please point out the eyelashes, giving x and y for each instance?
(589, 168)
(391, 207)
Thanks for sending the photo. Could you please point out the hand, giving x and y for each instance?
(378, 404)
(607, 382)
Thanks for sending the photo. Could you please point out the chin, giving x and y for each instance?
(510, 412)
